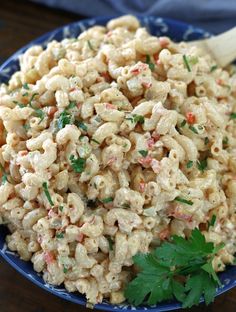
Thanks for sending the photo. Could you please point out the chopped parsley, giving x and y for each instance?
(59, 235)
(202, 165)
(233, 116)
(77, 164)
(25, 94)
(65, 270)
(107, 200)
(61, 208)
(144, 153)
(40, 114)
(46, 191)
(64, 119)
(186, 63)
(21, 105)
(183, 123)
(189, 164)
(31, 99)
(25, 86)
(184, 201)
(213, 68)
(150, 64)
(136, 118)
(193, 129)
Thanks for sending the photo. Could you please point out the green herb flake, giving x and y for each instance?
(25, 86)
(59, 235)
(186, 63)
(184, 201)
(225, 140)
(61, 208)
(213, 68)
(107, 200)
(193, 60)
(144, 153)
(25, 94)
(193, 129)
(21, 105)
(183, 123)
(233, 116)
(40, 114)
(4, 175)
(26, 127)
(71, 105)
(189, 164)
(90, 45)
(77, 164)
(65, 270)
(150, 64)
(31, 99)
(206, 140)
(212, 221)
(64, 119)
(110, 242)
(180, 269)
(202, 165)
(95, 141)
(46, 191)
(138, 118)
(81, 125)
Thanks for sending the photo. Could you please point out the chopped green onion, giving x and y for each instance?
(202, 164)
(184, 201)
(32, 98)
(143, 153)
(138, 118)
(189, 164)
(193, 129)
(64, 119)
(78, 165)
(40, 114)
(186, 63)
(107, 200)
(46, 191)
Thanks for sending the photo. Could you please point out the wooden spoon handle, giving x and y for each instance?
(221, 47)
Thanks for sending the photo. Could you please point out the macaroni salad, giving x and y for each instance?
(110, 143)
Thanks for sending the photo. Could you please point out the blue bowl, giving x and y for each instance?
(177, 31)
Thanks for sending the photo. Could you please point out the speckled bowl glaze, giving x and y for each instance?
(177, 31)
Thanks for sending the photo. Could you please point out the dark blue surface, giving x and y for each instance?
(177, 31)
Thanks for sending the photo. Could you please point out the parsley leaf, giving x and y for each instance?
(64, 119)
(187, 260)
(143, 153)
(59, 235)
(46, 191)
(202, 164)
(78, 164)
(136, 118)
(184, 201)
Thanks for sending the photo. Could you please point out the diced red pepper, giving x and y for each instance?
(145, 160)
(110, 106)
(106, 76)
(156, 136)
(48, 257)
(142, 186)
(191, 118)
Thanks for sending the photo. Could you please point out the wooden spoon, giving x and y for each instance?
(221, 47)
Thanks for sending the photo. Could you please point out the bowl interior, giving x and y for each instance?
(177, 31)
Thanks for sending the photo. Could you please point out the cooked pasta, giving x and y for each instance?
(110, 143)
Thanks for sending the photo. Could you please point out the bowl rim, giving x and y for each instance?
(165, 306)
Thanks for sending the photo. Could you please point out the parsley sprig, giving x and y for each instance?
(187, 260)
